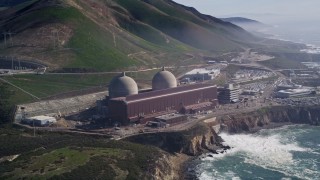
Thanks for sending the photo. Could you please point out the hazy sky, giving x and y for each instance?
(269, 11)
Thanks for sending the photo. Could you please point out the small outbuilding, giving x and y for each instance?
(41, 120)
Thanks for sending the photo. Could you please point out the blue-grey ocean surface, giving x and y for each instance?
(289, 152)
(306, 32)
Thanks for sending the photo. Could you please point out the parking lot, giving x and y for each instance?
(244, 75)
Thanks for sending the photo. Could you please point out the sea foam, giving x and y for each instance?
(267, 149)
(272, 152)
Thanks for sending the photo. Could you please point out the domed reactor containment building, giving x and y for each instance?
(122, 86)
(127, 105)
(163, 80)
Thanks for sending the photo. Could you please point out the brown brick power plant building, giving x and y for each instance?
(127, 105)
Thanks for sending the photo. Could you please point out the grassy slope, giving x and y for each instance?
(288, 59)
(91, 45)
(156, 28)
(177, 27)
(63, 160)
(94, 47)
(282, 63)
(151, 34)
(51, 84)
(47, 85)
(229, 31)
(151, 25)
(63, 156)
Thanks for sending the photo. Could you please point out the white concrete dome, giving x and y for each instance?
(122, 86)
(163, 80)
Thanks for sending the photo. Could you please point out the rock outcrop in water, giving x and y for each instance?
(270, 116)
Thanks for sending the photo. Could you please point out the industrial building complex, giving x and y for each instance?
(229, 93)
(201, 74)
(126, 105)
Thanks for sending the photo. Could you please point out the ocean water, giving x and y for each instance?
(289, 152)
(305, 32)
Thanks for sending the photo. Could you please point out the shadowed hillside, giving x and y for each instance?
(107, 35)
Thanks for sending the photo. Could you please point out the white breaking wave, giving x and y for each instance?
(215, 175)
(263, 149)
(266, 151)
(272, 152)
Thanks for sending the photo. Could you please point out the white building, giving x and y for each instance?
(201, 74)
(293, 92)
(229, 93)
(40, 120)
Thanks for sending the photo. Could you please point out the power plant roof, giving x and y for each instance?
(164, 93)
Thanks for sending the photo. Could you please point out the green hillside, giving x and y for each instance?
(111, 35)
(73, 156)
(186, 28)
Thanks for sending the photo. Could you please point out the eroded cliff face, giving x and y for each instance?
(177, 148)
(169, 166)
(202, 143)
(267, 116)
(202, 138)
(192, 142)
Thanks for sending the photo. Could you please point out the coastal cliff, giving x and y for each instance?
(197, 140)
(270, 117)
(178, 147)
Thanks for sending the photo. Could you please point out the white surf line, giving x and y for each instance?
(20, 88)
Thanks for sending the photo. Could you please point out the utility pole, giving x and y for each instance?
(5, 39)
(53, 38)
(34, 129)
(10, 37)
(11, 62)
(58, 37)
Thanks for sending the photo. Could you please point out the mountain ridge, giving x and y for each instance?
(111, 35)
(240, 20)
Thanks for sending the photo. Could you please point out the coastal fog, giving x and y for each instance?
(287, 19)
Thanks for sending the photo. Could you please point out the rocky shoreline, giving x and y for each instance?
(270, 118)
(181, 148)
(187, 167)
